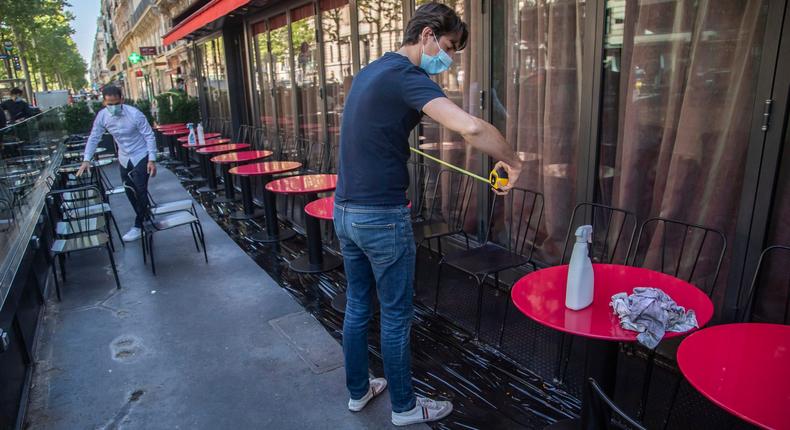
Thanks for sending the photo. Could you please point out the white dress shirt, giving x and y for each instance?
(131, 132)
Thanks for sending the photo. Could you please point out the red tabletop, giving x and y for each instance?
(171, 126)
(540, 295)
(265, 168)
(176, 132)
(237, 157)
(321, 208)
(216, 149)
(206, 135)
(744, 368)
(303, 184)
(208, 142)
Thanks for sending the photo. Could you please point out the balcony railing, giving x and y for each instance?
(138, 12)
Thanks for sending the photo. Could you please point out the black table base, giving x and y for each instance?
(326, 263)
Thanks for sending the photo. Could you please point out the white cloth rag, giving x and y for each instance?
(651, 312)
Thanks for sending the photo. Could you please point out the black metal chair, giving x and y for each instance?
(156, 223)
(7, 206)
(614, 230)
(521, 207)
(599, 413)
(691, 252)
(770, 273)
(244, 135)
(445, 196)
(80, 234)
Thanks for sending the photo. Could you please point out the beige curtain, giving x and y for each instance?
(687, 82)
(540, 108)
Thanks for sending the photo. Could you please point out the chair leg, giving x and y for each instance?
(151, 253)
(109, 233)
(672, 402)
(55, 277)
(439, 241)
(466, 236)
(114, 269)
(202, 240)
(438, 285)
(117, 230)
(145, 245)
(646, 384)
(479, 313)
(62, 258)
(194, 237)
(504, 320)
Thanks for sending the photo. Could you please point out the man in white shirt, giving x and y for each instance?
(136, 151)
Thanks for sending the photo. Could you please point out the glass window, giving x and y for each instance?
(214, 83)
(535, 103)
(278, 36)
(679, 86)
(336, 26)
(380, 28)
(263, 84)
(305, 59)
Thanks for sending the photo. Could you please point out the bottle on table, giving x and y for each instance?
(191, 140)
(201, 136)
(579, 288)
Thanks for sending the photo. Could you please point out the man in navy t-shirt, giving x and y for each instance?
(386, 101)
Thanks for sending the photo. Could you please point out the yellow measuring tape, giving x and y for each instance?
(496, 179)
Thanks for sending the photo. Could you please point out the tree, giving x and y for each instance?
(41, 31)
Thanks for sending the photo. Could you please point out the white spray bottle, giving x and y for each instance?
(192, 138)
(201, 137)
(579, 289)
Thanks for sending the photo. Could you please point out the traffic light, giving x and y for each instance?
(17, 64)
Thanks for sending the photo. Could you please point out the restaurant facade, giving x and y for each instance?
(670, 110)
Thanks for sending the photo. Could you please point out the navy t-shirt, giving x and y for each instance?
(384, 105)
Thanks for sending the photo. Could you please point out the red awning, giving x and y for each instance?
(214, 10)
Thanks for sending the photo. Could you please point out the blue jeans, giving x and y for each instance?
(378, 249)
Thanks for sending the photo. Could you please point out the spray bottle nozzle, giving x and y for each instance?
(584, 234)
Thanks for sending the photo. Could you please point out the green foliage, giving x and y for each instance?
(177, 106)
(145, 107)
(78, 118)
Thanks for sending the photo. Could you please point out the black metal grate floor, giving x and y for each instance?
(507, 386)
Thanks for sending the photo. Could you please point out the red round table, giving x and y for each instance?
(162, 127)
(266, 170)
(208, 142)
(208, 169)
(743, 368)
(207, 136)
(316, 260)
(203, 163)
(225, 161)
(540, 295)
(246, 172)
(169, 136)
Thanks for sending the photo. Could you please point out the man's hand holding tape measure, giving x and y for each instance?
(504, 177)
(482, 136)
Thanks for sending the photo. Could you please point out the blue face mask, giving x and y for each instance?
(433, 65)
(115, 110)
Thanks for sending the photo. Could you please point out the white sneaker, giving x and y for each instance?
(377, 386)
(133, 234)
(426, 410)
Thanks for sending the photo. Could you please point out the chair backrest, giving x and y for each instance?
(311, 155)
(244, 134)
(613, 232)
(602, 413)
(7, 202)
(78, 206)
(687, 251)
(771, 283)
(444, 195)
(522, 210)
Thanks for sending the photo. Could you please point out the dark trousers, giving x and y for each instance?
(136, 178)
